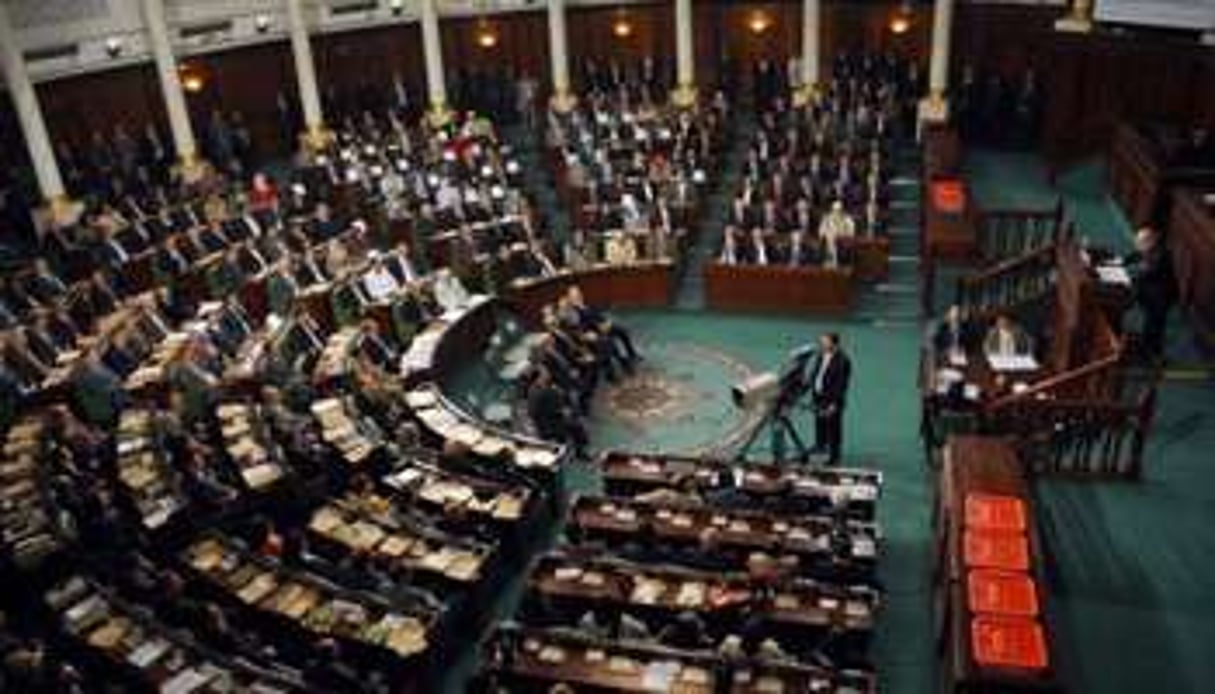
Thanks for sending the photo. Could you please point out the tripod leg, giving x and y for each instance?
(803, 453)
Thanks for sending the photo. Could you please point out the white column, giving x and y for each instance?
(1079, 20)
(811, 25)
(685, 88)
(33, 127)
(558, 50)
(305, 76)
(935, 108)
(432, 47)
(170, 83)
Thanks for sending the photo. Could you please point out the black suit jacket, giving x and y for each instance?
(835, 380)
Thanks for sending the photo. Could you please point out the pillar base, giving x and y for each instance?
(438, 115)
(192, 168)
(563, 101)
(933, 109)
(316, 139)
(61, 211)
(684, 96)
(806, 95)
(1075, 25)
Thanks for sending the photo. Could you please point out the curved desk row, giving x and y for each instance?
(779, 288)
(637, 285)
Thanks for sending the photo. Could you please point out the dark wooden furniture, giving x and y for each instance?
(529, 660)
(778, 289)
(1191, 239)
(1134, 173)
(989, 572)
(850, 491)
(949, 233)
(639, 285)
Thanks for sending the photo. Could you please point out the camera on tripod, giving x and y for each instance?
(775, 394)
(782, 389)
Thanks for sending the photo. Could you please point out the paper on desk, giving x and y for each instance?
(1113, 274)
(1013, 362)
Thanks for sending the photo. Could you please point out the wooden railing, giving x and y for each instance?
(1009, 234)
(1083, 438)
(1008, 286)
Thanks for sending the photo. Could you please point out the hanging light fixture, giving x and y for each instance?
(487, 37)
(901, 20)
(622, 28)
(759, 22)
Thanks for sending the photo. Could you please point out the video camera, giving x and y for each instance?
(778, 389)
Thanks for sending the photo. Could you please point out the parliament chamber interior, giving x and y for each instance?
(555, 346)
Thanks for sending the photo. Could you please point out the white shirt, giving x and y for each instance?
(380, 283)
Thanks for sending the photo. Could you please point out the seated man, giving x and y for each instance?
(379, 281)
(592, 319)
(837, 226)
(449, 291)
(552, 418)
(1007, 339)
(954, 334)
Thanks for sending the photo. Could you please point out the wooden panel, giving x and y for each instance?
(780, 289)
(77, 107)
(631, 286)
(1192, 246)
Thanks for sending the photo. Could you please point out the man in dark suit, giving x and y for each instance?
(1155, 288)
(829, 378)
(551, 416)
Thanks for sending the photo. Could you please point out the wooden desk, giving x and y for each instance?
(949, 234)
(778, 288)
(1191, 239)
(977, 465)
(826, 549)
(780, 487)
(639, 285)
(797, 611)
(532, 660)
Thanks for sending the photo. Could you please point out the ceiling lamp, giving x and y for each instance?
(759, 22)
(487, 38)
(622, 28)
(193, 80)
(900, 21)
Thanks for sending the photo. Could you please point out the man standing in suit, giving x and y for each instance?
(829, 378)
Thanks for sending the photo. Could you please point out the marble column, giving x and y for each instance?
(170, 86)
(685, 55)
(563, 98)
(432, 48)
(315, 135)
(33, 126)
(935, 107)
(811, 38)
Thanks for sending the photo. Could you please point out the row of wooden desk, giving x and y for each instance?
(807, 289)
(688, 590)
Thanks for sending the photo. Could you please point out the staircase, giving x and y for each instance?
(715, 211)
(896, 301)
